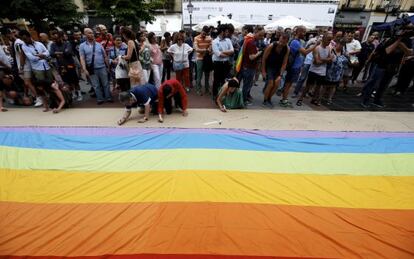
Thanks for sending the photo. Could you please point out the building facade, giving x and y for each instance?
(363, 14)
(261, 12)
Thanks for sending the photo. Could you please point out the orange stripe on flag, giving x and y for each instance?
(72, 230)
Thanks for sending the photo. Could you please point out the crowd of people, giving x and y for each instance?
(137, 67)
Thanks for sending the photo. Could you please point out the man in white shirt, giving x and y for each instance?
(222, 51)
(353, 47)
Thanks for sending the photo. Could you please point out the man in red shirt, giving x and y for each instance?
(169, 90)
(249, 62)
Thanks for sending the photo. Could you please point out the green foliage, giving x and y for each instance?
(40, 12)
(127, 12)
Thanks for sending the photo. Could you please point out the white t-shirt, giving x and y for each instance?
(4, 57)
(353, 46)
(180, 54)
(18, 50)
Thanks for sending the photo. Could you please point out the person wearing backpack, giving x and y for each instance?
(294, 64)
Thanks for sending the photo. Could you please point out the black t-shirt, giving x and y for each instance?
(393, 59)
(366, 50)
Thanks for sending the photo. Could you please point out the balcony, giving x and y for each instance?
(355, 8)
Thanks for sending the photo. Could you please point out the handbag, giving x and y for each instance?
(90, 67)
(178, 66)
(121, 69)
(135, 68)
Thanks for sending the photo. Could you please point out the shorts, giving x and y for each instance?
(329, 83)
(292, 75)
(27, 71)
(45, 75)
(70, 76)
(348, 72)
(272, 74)
(27, 74)
(314, 78)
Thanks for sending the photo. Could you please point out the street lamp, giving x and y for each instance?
(389, 7)
(190, 8)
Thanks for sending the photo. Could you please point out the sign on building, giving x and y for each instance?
(262, 13)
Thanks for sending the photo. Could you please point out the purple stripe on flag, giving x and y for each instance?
(105, 131)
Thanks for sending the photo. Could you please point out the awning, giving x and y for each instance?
(165, 23)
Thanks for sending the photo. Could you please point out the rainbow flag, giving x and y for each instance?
(239, 60)
(205, 193)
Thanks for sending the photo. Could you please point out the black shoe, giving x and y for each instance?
(364, 105)
(99, 102)
(110, 101)
(93, 95)
(299, 103)
(378, 104)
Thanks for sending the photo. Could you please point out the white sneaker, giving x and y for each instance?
(79, 98)
(38, 102)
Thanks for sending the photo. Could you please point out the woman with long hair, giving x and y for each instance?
(156, 59)
(135, 70)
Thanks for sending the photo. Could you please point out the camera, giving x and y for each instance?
(403, 29)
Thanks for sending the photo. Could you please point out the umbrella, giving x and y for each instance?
(216, 20)
(288, 22)
(390, 25)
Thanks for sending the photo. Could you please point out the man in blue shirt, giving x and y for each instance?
(95, 65)
(295, 63)
(139, 96)
(37, 54)
(222, 51)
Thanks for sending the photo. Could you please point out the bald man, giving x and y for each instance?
(95, 65)
(44, 38)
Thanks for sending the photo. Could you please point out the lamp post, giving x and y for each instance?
(190, 8)
(388, 9)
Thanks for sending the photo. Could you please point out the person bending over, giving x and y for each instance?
(230, 96)
(144, 96)
(171, 90)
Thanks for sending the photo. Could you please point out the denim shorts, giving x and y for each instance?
(292, 75)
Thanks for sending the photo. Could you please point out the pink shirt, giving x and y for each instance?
(156, 54)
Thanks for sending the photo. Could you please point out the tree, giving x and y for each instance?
(127, 11)
(41, 12)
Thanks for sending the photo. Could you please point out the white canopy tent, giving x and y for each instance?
(288, 22)
(165, 23)
(216, 20)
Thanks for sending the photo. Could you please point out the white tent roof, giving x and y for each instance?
(288, 22)
(215, 20)
(165, 23)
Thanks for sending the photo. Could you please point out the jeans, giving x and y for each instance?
(100, 84)
(168, 103)
(381, 78)
(302, 78)
(405, 77)
(157, 72)
(247, 76)
(166, 72)
(221, 71)
(200, 73)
